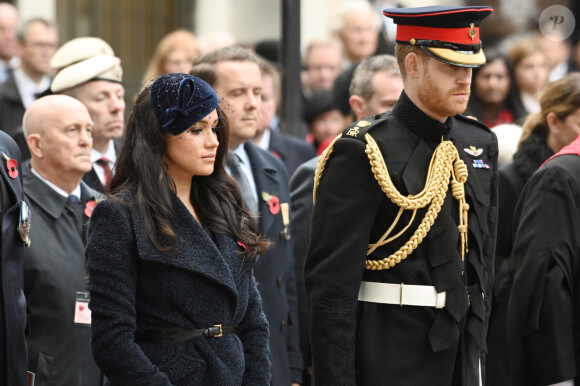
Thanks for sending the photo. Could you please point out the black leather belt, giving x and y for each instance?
(181, 335)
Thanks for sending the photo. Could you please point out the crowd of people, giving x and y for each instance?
(422, 230)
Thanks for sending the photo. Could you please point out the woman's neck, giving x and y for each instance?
(183, 192)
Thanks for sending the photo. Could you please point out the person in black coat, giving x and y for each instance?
(544, 133)
(400, 263)
(171, 253)
(13, 351)
(58, 129)
(263, 180)
(543, 311)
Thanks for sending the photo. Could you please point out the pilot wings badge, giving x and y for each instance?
(473, 151)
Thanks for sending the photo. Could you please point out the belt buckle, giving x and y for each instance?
(219, 326)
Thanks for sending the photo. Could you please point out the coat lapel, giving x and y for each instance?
(195, 250)
(266, 182)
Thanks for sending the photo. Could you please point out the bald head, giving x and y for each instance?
(8, 25)
(58, 131)
(47, 111)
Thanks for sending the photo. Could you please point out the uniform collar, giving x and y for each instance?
(420, 123)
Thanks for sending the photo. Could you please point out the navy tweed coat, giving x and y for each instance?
(135, 286)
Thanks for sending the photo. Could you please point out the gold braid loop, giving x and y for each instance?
(321, 164)
(445, 167)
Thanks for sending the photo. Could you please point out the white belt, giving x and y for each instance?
(401, 294)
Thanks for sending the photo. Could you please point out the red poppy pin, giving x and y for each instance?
(11, 165)
(273, 202)
(244, 245)
(89, 206)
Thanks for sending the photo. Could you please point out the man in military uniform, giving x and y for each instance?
(400, 262)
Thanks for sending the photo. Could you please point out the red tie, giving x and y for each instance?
(104, 163)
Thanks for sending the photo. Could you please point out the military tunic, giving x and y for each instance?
(363, 343)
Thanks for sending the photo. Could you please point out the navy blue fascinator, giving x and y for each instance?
(181, 100)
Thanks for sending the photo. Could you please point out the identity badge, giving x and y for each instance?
(82, 311)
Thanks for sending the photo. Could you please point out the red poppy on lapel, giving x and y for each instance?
(11, 165)
(273, 202)
(89, 206)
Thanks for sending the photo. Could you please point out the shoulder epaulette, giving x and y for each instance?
(359, 128)
(473, 120)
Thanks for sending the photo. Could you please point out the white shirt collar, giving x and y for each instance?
(76, 191)
(264, 143)
(27, 88)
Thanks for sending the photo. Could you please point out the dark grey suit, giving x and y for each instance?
(54, 270)
(274, 272)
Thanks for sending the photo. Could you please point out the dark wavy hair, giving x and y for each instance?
(141, 177)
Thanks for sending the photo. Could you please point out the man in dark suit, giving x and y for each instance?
(58, 131)
(37, 42)
(375, 88)
(12, 301)
(263, 179)
(291, 150)
(91, 73)
(400, 263)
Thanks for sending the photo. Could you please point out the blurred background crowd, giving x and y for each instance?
(528, 93)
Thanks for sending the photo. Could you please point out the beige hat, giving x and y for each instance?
(99, 67)
(79, 49)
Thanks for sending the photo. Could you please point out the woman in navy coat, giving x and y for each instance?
(171, 253)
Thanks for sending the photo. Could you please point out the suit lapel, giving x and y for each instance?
(266, 182)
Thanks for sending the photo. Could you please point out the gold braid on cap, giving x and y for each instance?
(445, 167)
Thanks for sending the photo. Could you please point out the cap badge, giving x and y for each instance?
(472, 34)
(473, 151)
(412, 41)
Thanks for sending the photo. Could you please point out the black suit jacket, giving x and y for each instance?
(291, 150)
(274, 271)
(13, 351)
(11, 107)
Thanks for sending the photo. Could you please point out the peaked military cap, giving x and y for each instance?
(449, 34)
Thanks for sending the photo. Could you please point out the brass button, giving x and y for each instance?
(256, 280)
(283, 325)
(279, 282)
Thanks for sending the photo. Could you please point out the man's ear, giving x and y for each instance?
(35, 145)
(357, 105)
(412, 64)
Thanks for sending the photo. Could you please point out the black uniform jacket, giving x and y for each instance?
(544, 305)
(12, 303)
(59, 350)
(275, 275)
(376, 344)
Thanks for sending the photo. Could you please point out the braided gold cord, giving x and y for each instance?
(445, 165)
(321, 164)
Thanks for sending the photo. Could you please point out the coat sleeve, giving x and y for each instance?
(541, 312)
(254, 334)
(347, 201)
(112, 266)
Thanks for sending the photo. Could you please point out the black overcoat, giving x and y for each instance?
(544, 305)
(59, 350)
(206, 282)
(12, 302)
(359, 343)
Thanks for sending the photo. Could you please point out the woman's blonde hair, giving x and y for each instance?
(561, 97)
(176, 40)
